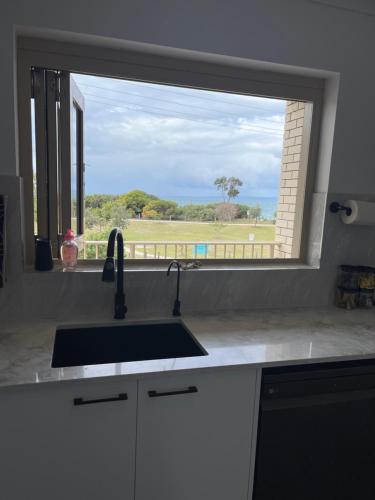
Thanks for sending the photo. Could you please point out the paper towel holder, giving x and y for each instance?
(335, 208)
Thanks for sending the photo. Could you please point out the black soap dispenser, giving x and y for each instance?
(43, 254)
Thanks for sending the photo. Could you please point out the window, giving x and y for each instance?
(58, 166)
(193, 162)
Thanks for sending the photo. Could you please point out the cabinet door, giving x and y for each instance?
(51, 448)
(193, 436)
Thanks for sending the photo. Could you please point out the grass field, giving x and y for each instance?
(164, 231)
(193, 231)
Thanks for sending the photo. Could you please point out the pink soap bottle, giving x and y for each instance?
(69, 251)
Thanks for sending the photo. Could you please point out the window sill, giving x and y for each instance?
(96, 267)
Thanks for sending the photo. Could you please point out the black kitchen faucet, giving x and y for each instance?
(109, 271)
(177, 303)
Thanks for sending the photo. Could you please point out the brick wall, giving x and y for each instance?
(292, 180)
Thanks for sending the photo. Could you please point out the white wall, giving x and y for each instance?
(291, 32)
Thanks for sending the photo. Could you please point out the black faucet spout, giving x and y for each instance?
(109, 271)
(177, 304)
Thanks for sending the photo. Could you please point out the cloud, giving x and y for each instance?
(174, 141)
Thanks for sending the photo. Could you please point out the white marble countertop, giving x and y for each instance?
(258, 338)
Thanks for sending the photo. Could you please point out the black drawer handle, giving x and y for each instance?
(81, 401)
(189, 390)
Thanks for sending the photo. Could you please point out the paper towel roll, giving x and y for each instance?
(363, 213)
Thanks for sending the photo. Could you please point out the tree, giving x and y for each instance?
(119, 216)
(221, 184)
(228, 187)
(226, 211)
(199, 212)
(149, 213)
(255, 213)
(163, 209)
(135, 201)
(94, 218)
(91, 218)
(242, 211)
(98, 200)
(233, 184)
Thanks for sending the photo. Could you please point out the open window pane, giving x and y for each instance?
(73, 177)
(191, 173)
(77, 158)
(57, 113)
(40, 133)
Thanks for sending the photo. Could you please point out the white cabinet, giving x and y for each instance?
(194, 436)
(51, 448)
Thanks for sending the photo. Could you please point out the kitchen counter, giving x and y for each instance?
(258, 338)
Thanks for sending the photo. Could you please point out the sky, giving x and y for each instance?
(175, 141)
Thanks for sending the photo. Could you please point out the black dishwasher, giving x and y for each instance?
(316, 433)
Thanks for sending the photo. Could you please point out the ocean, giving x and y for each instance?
(267, 204)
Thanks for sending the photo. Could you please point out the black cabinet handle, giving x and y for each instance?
(189, 390)
(81, 401)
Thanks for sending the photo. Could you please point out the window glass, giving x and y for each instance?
(190, 173)
(73, 175)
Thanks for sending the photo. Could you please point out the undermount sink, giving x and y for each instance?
(93, 345)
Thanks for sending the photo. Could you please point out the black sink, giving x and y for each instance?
(93, 345)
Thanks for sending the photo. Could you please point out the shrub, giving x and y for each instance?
(226, 211)
(160, 209)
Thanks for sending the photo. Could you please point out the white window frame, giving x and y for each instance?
(168, 70)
